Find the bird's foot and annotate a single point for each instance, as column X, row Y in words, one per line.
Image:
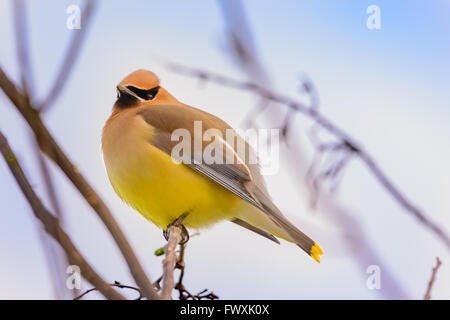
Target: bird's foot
column 178, row 223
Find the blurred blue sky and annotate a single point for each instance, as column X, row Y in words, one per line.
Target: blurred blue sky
column 387, row 87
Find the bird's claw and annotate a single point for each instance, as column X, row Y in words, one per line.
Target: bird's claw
column 179, row 223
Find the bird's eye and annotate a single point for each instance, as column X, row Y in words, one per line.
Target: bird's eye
column 145, row 94
column 118, row 94
column 151, row 94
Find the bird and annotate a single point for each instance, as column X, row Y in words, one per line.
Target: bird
column 138, row 144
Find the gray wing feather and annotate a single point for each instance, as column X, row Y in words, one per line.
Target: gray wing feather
column 250, row 227
column 224, row 174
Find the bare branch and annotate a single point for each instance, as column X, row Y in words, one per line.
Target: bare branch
column 56, row 260
column 49, row 146
column 402, row 200
column 325, row 123
column 168, row 283
column 432, row 279
column 51, row 224
column 60, row 262
column 71, row 55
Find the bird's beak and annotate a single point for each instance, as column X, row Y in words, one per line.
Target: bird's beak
column 121, row 88
column 124, row 90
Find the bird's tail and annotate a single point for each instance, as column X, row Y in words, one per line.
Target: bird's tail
column 278, row 225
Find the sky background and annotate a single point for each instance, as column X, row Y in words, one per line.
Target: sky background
column 387, row 87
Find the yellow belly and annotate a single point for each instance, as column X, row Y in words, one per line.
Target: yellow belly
column 148, row 180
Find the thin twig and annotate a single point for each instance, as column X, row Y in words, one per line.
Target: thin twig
column 49, row 146
column 328, row 125
column 51, row 224
column 23, row 54
column 71, row 55
column 432, row 279
column 183, row 293
column 115, row 284
column 181, row 266
column 170, row 261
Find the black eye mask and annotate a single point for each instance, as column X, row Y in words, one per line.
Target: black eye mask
column 145, row 94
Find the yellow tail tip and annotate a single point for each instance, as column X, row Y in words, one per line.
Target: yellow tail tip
column 316, row 252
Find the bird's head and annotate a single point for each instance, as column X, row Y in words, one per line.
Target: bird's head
column 141, row 88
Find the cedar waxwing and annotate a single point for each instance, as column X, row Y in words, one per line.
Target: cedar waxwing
column 137, row 150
